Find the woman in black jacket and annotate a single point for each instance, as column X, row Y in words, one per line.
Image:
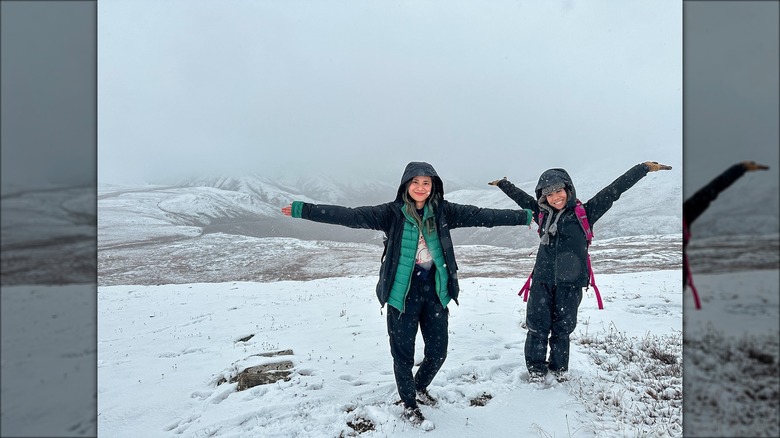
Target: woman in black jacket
column 560, row 271
column 694, row 206
column 418, row 276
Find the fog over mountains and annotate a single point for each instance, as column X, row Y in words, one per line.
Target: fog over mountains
column 48, row 235
column 250, row 206
column 193, row 225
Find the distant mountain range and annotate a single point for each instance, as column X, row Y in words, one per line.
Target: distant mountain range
column 250, row 206
column 48, row 234
column 750, row 206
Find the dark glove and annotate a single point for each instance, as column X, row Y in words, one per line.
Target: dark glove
column 653, row 166
column 495, row 183
column 752, row 165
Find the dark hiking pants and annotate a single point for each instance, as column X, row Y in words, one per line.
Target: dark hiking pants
column 423, row 308
column 551, row 315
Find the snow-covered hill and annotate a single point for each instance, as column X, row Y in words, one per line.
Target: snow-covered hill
column 222, row 229
column 58, row 223
column 48, row 235
column 749, row 206
column 250, row 206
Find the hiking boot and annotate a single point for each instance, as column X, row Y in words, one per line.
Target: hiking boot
column 560, row 376
column 535, row 377
column 413, row 415
column 424, row 397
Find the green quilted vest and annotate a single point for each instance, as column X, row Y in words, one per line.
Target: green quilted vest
column 405, row 268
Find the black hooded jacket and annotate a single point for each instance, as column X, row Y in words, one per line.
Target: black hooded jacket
column 564, row 260
column 390, row 219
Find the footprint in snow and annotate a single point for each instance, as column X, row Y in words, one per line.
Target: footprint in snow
column 488, row 357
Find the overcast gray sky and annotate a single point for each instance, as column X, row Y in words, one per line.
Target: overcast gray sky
column 48, row 94
column 732, row 94
column 478, row 89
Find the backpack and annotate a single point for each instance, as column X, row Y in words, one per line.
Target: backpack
column 582, row 218
column 687, row 267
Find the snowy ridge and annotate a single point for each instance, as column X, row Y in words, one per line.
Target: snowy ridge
column 250, row 206
column 655, row 195
column 262, row 189
column 55, row 224
column 749, row 206
column 223, row 229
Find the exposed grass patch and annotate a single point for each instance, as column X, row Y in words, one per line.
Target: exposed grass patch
column 361, row 425
column 732, row 385
column 481, row 400
column 639, row 384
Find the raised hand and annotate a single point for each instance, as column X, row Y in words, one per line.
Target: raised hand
column 653, row 166
column 287, row 211
column 495, row 183
column 752, row 165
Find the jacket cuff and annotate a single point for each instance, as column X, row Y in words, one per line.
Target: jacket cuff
column 529, row 216
column 297, row 209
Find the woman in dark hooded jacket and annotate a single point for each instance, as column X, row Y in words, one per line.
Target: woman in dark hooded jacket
column 694, row 206
column 560, row 271
column 418, row 275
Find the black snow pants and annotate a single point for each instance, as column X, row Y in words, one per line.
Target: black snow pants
column 423, row 309
column 551, row 316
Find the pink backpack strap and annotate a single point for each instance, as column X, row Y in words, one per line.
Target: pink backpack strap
column 593, row 283
column 687, row 267
column 582, row 217
column 693, row 288
column 526, row 288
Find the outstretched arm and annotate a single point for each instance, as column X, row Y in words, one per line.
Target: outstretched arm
column 603, row 200
column 374, row 217
column 462, row 215
column 694, row 206
column 522, row 198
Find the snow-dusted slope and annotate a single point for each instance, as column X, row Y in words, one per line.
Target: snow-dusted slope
column 250, row 206
column 749, row 206
column 221, row 229
column 48, row 236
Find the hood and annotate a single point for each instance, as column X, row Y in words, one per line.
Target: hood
column 555, row 176
column 420, row 168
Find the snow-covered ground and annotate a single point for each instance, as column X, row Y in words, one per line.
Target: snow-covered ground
column 49, row 352
column 732, row 372
column 162, row 351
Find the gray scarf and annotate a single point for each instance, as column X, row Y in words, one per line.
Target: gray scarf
column 549, row 228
